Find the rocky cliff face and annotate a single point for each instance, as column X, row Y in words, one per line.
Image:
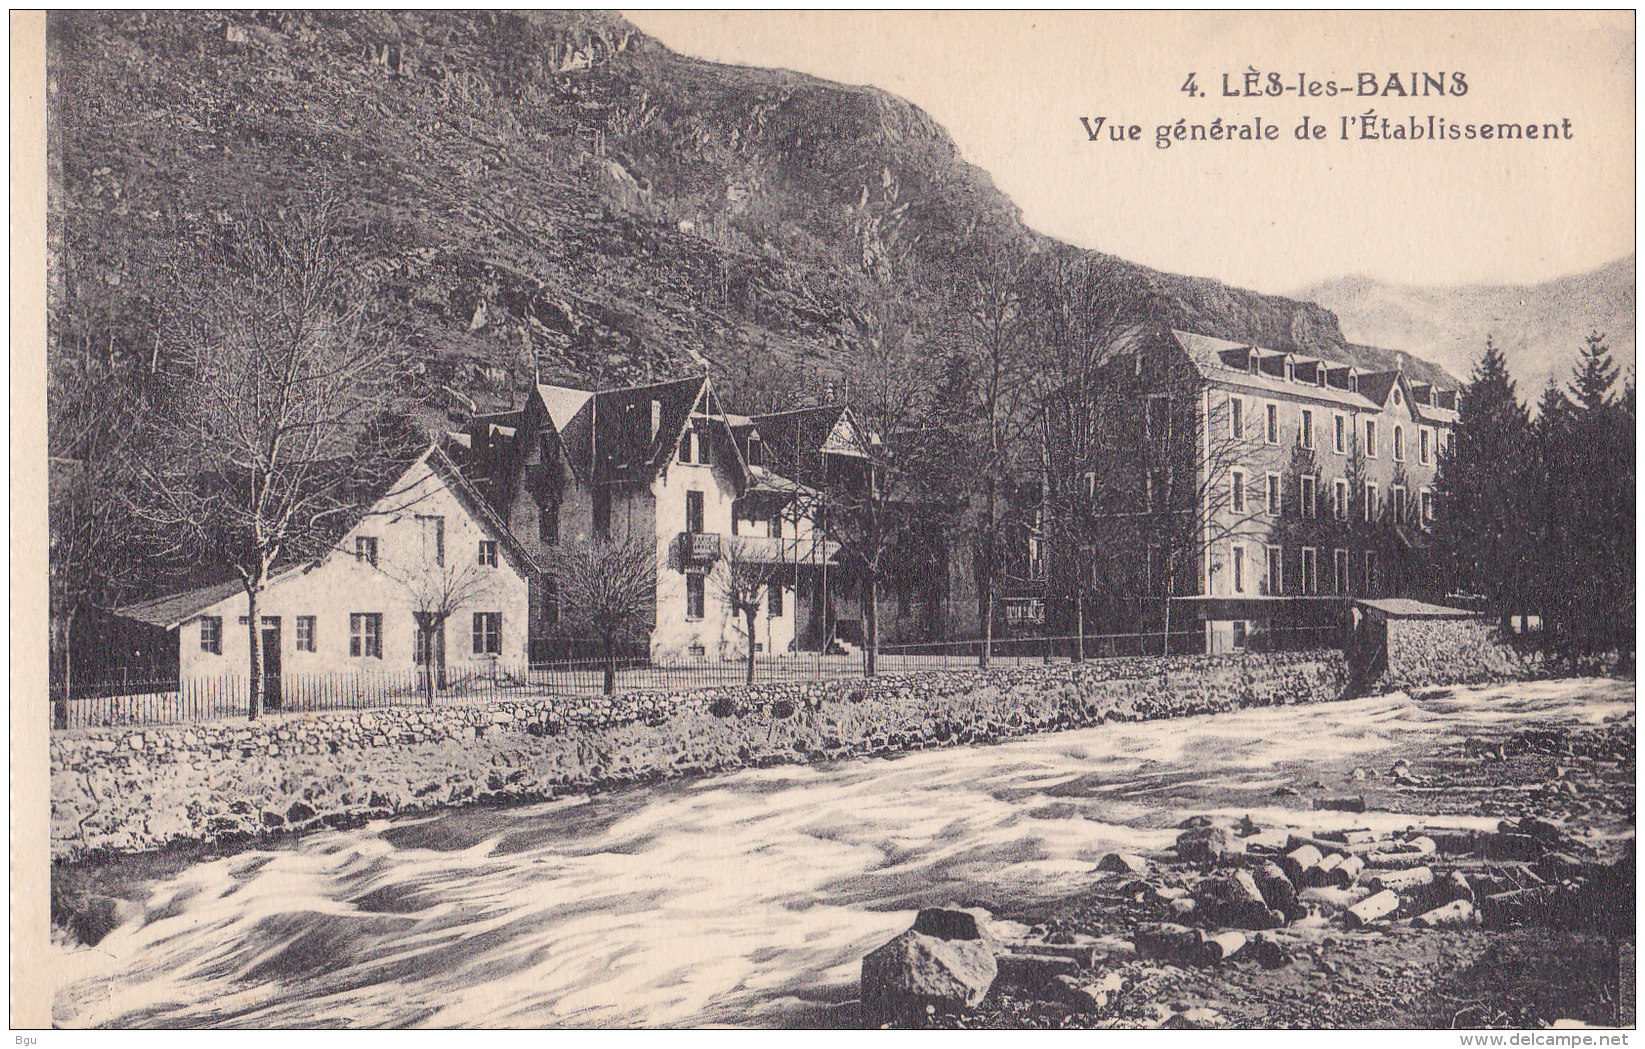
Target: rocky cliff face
column 550, row 192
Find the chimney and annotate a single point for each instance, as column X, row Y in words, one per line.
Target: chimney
column 1399, row 360
column 656, row 417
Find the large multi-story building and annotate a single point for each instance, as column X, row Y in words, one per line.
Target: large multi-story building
column 666, row 464
column 1255, row 489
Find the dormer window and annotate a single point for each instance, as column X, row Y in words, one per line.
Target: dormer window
column 1290, row 371
column 1254, row 362
column 753, row 450
column 1319, row 375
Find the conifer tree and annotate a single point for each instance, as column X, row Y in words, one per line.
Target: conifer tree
column 1488, row 531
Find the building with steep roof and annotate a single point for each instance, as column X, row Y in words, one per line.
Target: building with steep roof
column 667, row 463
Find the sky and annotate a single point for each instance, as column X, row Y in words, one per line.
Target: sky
column 1275, row 215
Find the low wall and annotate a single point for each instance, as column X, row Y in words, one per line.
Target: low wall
column 117, row 790
column 1424, row 652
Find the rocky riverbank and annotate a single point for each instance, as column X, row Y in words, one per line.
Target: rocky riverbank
column 1486, row 884
column 225, row 784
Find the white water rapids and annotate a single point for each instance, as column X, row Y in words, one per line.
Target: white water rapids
column 746, row 899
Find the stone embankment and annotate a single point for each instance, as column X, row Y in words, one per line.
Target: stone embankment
column 123, row 790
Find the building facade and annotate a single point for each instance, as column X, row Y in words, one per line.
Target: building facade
column 428, row 576
column 664, row 464
column 1253, row 490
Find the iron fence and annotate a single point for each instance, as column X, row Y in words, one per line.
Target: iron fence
column 161, row 701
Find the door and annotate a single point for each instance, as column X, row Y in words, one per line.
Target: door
column 272, row 693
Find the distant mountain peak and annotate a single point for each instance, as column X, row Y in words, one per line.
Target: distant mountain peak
column 1540, row 327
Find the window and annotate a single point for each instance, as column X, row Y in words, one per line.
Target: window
column 1253, row 364
column 1273, row 495
column 1371, row 438
column 1238, row 558
column 548, row 524
column 551, row 601
column 1276, row 569
column 774, row 599
column 1290, row 371
column 434, row 537
column 1425, row 438
column 1427, row 508
column 602, row 513
column 1307, row 493
column 774, row 528
column 1339, row 440
column 1237, row 495
column 1305, row 429
column 1399, row 503
column 365, row 634
column 305, row 633
column 1450, row 444
column 365, row 549
column 1236, row 417
column 1088, row 480
column 1239, row 635
column 1310, row 570
column 211, row 634
column 753, row 450
column 687, row 443
column 1370, row 501
column 1370, row 573
column 1272, row 434
column 694, row 595
column 694, row 511
column 488, row 633
column 1341, row 488
column 1399, row 444
column 1339, row 573
column 488, row 553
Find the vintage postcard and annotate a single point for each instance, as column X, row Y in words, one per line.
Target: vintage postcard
column 849, row 520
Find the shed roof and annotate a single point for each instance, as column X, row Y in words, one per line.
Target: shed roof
column 1410, row 608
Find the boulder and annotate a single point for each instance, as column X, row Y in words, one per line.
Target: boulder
column 1208, row 844
column 948, row 969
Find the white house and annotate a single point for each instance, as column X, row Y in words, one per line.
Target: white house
column 429, row 545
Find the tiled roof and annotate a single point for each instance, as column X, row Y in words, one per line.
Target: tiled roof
column 1377, row 385
column 173, row 609
column 1206, row 352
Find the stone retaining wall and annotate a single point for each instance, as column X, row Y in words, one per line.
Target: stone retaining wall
column 1424, row 652
column 117, row 790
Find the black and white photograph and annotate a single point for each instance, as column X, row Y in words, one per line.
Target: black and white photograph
column 868, row 520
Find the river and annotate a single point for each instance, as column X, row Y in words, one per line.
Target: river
column 745, row 899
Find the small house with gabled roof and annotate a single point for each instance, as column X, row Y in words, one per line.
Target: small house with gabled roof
column 430, row 544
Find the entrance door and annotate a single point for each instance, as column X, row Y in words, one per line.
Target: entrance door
column 273, row 695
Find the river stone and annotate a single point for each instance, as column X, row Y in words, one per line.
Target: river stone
column 904, row 976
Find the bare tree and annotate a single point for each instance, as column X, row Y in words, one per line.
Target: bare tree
column 437, row 591
column 608, row 587
column 98, row 552
column 743, row 578
column 275, row 357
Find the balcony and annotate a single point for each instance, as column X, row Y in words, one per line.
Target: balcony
column 699, row 548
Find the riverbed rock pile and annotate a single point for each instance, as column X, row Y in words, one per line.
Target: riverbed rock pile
column 1244, row 894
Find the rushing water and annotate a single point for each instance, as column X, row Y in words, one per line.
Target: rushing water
column 744, row 899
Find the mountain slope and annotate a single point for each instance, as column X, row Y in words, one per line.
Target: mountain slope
column 549, row 193
column 1539, row 327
